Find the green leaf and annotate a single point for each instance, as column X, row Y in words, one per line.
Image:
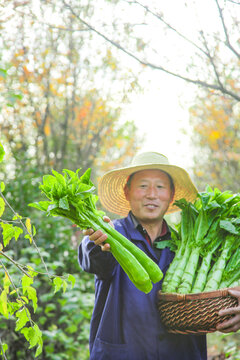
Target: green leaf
column 52, row 207
column 72, row 176
column 3, row 304
column 85, row 178
column 2, row 186
column 228, row 226
column 49, row 180
column 60, row 178
column 2, row 206
column 63, row 203
column 64, row 285
column 26, row 282
column 57, row 281
column 17, row 217
column 3, row 73
column 6, row 282
column 2, row 152
column 12, row 98
column 41, row 205
column 71, row 279
column 71, row 329
column 25, row 299
column 23, row 317
column 163, row 244
column 28, row 226
column 34, row 337
column 32, row 295
column 9, row 232
column 4, row 348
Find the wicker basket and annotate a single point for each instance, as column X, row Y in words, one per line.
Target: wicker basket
column 194, row 313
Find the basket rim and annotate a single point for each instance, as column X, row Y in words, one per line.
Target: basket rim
column 195, row 296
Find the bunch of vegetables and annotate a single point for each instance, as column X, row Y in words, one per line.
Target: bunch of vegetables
column 73, row 197
column 206, row 243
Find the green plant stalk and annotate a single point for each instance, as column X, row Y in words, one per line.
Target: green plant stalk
column 173, row 284
column 214, row 240
column 175, row 271
column 233, row 279
column 189, row 272
column 215, row 276
column 234, row 284
column 130, row 265
column 136, row 272
column 146, row 287
column 172, row 268
column 149, row 265
column 232, row 270
column 184, row 234
column 203, row 226
column 121, row 253
column 202, row 274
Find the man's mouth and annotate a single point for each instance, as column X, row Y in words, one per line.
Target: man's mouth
column 151, row 206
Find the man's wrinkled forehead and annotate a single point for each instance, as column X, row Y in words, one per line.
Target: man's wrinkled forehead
column 143, row 172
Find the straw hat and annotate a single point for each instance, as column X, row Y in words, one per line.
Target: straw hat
column 111, row 185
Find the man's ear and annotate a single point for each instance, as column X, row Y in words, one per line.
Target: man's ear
column 172, row 197
column 126, row 192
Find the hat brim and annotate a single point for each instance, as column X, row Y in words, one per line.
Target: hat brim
column 111, row 187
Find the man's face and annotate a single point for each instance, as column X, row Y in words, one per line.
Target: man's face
column 149, row 195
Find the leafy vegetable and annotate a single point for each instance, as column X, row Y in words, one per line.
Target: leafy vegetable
column 206, row 244
column 74, row 198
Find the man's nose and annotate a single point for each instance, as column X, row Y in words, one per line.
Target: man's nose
column 152, row 192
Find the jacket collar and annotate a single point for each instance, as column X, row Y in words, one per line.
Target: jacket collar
column 140, row 229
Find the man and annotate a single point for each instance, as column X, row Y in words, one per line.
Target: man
column 126, row 324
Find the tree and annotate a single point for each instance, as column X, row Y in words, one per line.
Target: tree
column 197, row 48
column 62, row 120
column 53, row 117
column 216, row 136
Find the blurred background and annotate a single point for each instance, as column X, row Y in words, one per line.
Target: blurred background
column 88, row 83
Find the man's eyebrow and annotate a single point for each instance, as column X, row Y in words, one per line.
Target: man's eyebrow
column 146, row 179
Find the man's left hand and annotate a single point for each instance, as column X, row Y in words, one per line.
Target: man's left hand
column 233, row 324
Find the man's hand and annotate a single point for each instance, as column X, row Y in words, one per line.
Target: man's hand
column 233, row 324
column 99, row 237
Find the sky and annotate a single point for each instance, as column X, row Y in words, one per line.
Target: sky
column 161, row 115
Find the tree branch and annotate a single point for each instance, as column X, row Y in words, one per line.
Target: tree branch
column 228, row 44
column 211, row 60
column 169, row 26
column 153, row 66
column 15, row 263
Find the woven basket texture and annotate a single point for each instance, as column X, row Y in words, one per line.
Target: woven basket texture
column 194, row 313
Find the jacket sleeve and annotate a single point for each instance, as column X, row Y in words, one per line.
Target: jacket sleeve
column 93, row 260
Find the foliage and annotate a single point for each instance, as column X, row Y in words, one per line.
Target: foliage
column 223, row 346
column 15, row 298
column 50, row 117
column 32, row 307
column 65, row 116
column 216, row 134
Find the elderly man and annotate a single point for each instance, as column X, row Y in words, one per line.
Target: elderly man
column 126, row 324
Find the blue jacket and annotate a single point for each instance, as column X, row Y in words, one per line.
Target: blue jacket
column 126, row 324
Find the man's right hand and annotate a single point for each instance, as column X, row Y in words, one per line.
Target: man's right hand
column 99, row 237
